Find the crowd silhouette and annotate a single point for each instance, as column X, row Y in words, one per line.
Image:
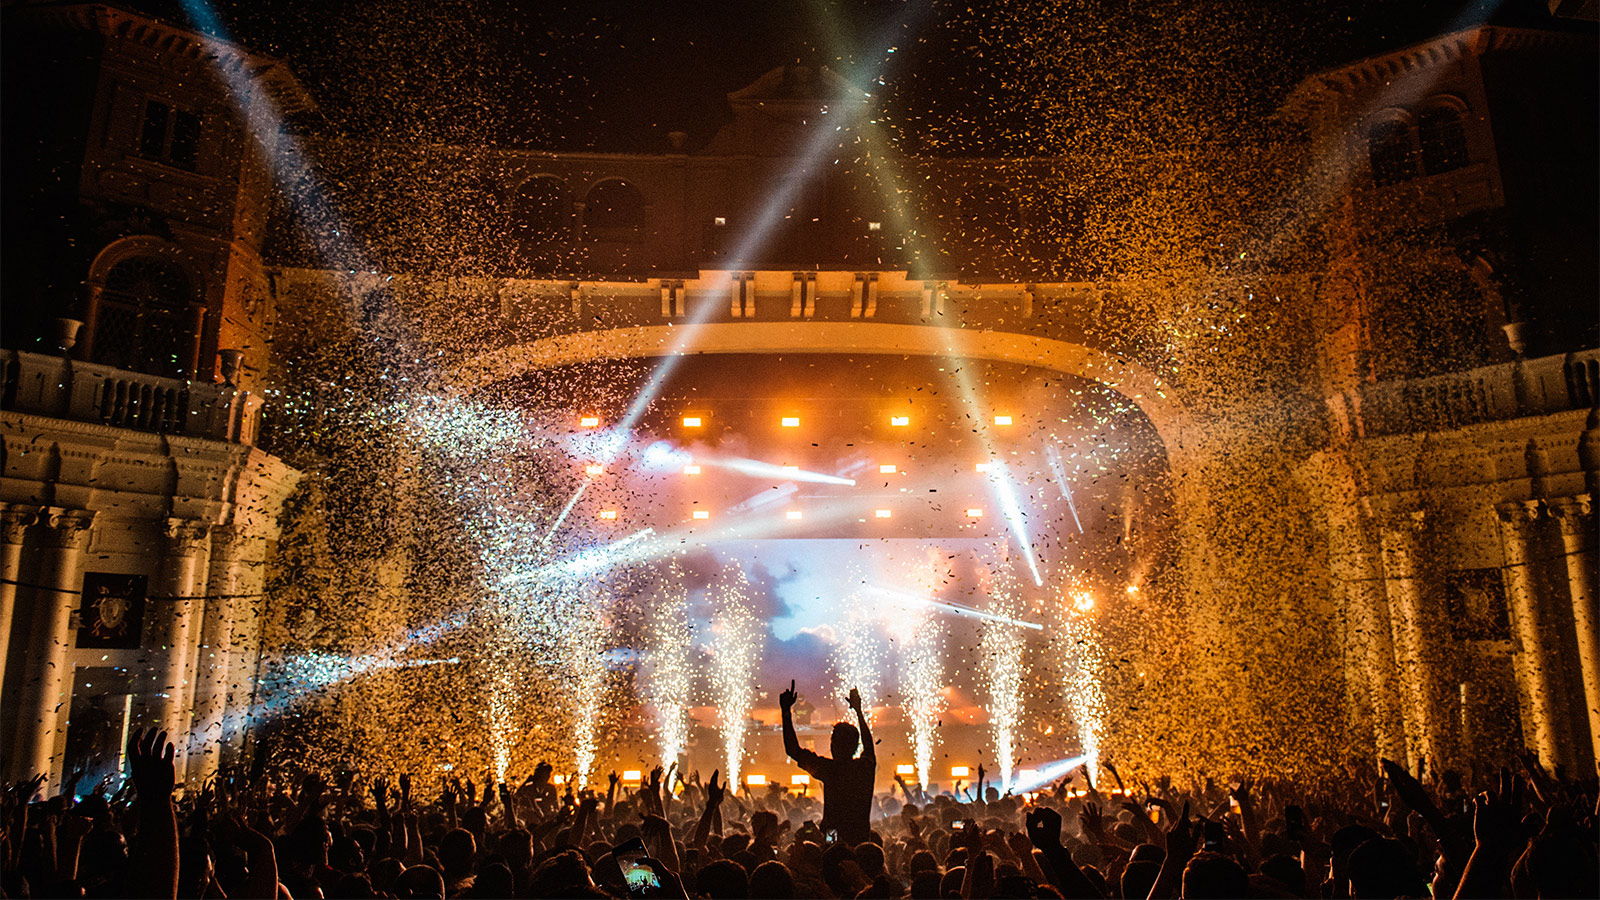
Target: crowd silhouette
column 1381, row 833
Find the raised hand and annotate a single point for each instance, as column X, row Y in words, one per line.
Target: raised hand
column 1044, row 828
column 714, row 791
column 1497, row 815
column 380, row 792
column 854, row 699
column 405, row 791
column 150, row 764
column 786, row 700
column 1091, row 820
column 1183, row 837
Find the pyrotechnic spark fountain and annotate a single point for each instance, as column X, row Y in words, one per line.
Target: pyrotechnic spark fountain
column 668, row 684
column 733, row 664
column 856, row 657
column 1080, row 664
column 922, row 686
column 586, row 652
column 1002, row 657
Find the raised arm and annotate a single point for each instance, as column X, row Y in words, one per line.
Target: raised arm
column 153, row 852
column 791, row 741
column 867, row 751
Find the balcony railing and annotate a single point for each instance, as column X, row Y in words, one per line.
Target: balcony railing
column 86, row 392
column 1531, row 387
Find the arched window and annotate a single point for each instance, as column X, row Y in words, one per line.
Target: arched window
column 541, row 213
column 1443, row 139
column 1390, row 151
column 613, row 206
column 144, row 321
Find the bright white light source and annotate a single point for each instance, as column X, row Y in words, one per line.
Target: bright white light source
column 608, row 514
column 792, row 515
column 960, row 771
column 594, row 470
column 899, row 421
column 691, row 470
column 874, row 226
column 1133, row 589
column 790, row 470
column 882, row 513
column 590, row 421
column 558, row 779
column 632, row 775
column 791, row 421
column 981, row 467
column 691, row 421
column 1002, row 420
column 1082, row 601
column 702, row 514
column 905, row 769
column 974, row 513
column 887, row 469
column 799, row 780
column 755, row 780
column 720, row 220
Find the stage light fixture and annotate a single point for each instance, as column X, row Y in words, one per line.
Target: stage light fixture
column 874, row 226
column 608, row 514
column 701, row 514
column 691, row 470
column 755, row 780
column 720, row 221
column 633, row 775
column 691, row 421
column 881, row 513
column 960, row 771
column 792, row 515
column 799, row 780
column 1002, row 420
column 905, row 769
column 593, row 470
column 974, row 513
column 899, row 421
column 791, row 421
column 887, row 469
column 590, row 421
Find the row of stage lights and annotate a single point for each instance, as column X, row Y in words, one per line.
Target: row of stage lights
column 789, row 421
column 594, row 470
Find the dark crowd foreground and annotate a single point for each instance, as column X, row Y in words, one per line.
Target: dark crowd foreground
column 1530, row 833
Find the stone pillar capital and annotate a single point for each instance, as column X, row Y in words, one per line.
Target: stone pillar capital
column 1571, row 511
column 1518, row 512
column 185, row 537
column 68, row 529
column 14, row 522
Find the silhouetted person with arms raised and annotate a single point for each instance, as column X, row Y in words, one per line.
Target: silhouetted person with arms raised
column 847, row 779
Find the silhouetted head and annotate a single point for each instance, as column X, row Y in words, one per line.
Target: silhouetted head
column 846, row 740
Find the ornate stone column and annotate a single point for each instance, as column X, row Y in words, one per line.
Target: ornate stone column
column 48, row 684
column 183, row 580
column 14, row 522
column 1371, row 639
column 1576, row 517
column 1414, row 632
column 215, row 649
column 1534, row 647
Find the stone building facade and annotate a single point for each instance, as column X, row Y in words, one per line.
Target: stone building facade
column 1452, row 483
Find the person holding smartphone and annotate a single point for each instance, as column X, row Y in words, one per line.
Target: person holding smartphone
column 847, row 779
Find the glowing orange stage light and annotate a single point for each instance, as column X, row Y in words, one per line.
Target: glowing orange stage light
column 881, row 513
column 899, row 421
column 701, row 514
column 887, row 469
column 691, row 470
column 691, row 421
column 799, row 780
column 594, row 470
column 791, row 421
column 632, row 775
column 960, row 771
column 1002, row 420
column 608, row 514
column 974, row 513
column 590, row 421
column 905, row 769
column 755, row 780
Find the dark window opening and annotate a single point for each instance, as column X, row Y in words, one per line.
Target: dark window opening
column 170, row 135
column 1444, row 140
column 143, row 322
column 614, row 206
column 1389, row 149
